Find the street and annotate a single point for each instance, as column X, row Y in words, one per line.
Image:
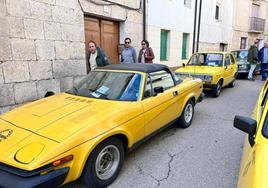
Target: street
column 207, row 154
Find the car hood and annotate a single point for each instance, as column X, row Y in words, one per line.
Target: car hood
column 20, row 147
column 60, row 116
column 199, row 69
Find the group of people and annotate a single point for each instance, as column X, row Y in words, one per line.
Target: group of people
column 97, row 57
column 255, row 56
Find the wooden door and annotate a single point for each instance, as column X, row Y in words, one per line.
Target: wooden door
column 110, row 40
column 92, row 32
column 105, row 34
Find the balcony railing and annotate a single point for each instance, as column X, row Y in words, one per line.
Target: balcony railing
column 257, row 24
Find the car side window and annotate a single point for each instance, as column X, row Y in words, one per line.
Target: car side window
column 232, row 59
column 162, row 79
column 148, row 88
column 227, row 61
column 265, row 126
column 264, row 100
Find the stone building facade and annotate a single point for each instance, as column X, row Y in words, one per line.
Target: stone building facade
column 42, row 43
column 250, row 22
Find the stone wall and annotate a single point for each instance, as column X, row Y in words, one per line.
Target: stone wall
column 43, row 44
column 42, row 49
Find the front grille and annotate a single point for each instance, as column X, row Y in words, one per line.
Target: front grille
column 201, row 76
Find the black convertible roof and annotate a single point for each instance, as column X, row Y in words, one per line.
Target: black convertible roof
column 141, row 67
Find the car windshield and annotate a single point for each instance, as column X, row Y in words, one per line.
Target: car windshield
column 121, row 86
column 206, row 59
column 240, row 55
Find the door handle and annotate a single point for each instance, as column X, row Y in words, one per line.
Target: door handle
column 175, row 93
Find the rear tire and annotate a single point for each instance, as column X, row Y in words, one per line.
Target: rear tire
column 104, row 164
column 186, row 118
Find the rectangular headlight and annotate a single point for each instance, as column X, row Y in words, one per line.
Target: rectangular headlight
column 208, row 77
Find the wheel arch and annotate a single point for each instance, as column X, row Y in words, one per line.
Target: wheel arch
column 221, row 80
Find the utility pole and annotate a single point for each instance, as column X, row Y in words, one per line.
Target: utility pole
column 198, row 27
column 144, row 19
column 195, row 13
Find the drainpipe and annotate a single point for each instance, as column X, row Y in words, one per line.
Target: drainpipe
column 198, row 27
column 195, row 12
column 144, row 20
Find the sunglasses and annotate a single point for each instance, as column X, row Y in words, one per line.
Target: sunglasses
column 127, row 42
column 142, row 43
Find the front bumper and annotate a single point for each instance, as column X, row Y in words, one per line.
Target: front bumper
column 51, row 179
column 209, row 86
column 242, row 71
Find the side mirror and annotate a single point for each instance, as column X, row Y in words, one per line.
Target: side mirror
column 183, row 64
column 246, row 125
column 158, row 90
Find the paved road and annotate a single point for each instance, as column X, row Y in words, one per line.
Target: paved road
column 206, row 155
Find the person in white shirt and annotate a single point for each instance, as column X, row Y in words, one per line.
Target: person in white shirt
column 96, row 56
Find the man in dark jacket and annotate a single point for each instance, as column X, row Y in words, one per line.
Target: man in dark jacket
column 263, row 57
column 96, row 56
column 253, row 59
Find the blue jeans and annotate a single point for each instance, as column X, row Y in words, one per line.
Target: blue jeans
column 264, row 70
column 251, row 71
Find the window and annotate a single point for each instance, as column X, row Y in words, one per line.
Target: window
column 187, row 3
column 148, row 88
column 232, row 59
column 223, row 47
column 206, row 59
column 255, row 10
column 163, row 45
column 158, row 79
column 121, row 86
column 162, row 78
column 184, row 46
column 217, row 12
column 243, row 43
column 227, row 61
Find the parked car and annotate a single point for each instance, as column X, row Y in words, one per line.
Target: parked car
column 243, row 64
column 216, row 69
column 86, row 132
column 254, row 162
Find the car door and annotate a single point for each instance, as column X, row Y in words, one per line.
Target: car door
column 227, row 75
column 248, row 163
column 234, row 66
column 162, row 108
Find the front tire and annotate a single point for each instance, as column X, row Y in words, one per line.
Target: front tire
column 104, row 164
column 217, row 90
column 186, row 118
column 232, row 84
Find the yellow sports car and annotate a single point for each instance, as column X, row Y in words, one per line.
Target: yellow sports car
column 254, row 162
column 216, row 69
column 86, row 132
